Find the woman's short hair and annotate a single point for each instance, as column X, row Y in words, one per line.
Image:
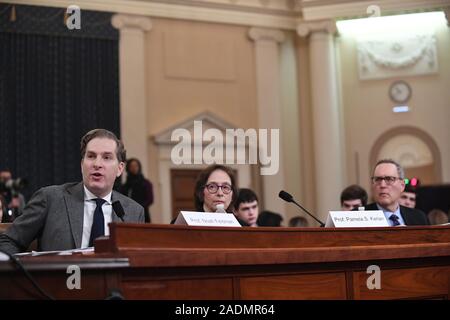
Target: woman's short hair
column 203, row 178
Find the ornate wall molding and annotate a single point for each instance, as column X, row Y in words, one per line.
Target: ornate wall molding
column 397, row 55
column 121, row 21
column 305, row 28
column 258, row 34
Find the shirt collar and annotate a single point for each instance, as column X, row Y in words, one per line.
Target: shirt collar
column 396, row 212
column 90, row 196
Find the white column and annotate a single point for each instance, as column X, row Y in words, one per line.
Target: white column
column 268, row 88
column 133, row 88
column 326, row 116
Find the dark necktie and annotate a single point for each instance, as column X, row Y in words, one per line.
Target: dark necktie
column 394, row 220
column 98, row 224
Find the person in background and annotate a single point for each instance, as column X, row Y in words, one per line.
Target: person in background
column 387, row 185
column 2, row 208
column 353, row 197
column 246, row 207
column 15, row 201
column 298, row 222
column 137, row 187
column 216, row 185
column 73, row 215
column 408, row 197
column 437, row 216
column 269, row 219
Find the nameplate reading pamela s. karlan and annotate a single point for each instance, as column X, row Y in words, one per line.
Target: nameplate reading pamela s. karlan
column 207, row 219
column 349, row 219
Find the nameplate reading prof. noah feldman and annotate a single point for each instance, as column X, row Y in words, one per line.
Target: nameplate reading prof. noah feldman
column 207, row 219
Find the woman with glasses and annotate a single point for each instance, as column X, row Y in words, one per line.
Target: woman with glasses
column 215, row 187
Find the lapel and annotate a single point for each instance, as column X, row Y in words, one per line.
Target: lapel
column 405, row 215
column 74, row 198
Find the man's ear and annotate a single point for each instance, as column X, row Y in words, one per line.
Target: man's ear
column 403, row 185
column 121, row 168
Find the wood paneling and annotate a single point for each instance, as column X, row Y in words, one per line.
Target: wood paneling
column 405, row 283
column 188, row 289
column 294, row 287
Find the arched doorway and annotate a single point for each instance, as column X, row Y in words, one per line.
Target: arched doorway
column 414, row 149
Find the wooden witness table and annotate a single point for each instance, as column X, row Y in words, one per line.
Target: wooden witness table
column 180, row 262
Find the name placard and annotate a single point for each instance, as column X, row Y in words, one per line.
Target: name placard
column 207, row 219
column 349, row 219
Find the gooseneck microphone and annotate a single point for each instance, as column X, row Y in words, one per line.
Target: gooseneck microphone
column 289, row 198
column 118, row 209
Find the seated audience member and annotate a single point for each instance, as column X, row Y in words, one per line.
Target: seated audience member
column 269, row 219
column 246, row 207
column 298, row 222
column 72, row 215
column 216, row 185
column 437, row 216
column 353, row 197
column 387, row 185
column 408, row 197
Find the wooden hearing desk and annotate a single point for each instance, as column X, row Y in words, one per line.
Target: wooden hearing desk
column 179, row 262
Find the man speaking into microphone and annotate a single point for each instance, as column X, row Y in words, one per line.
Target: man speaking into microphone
column 73, row 215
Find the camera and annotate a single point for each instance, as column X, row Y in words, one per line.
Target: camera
column 13, row 185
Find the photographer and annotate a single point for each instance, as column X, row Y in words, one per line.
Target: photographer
column 2, row 208
column 9, row 189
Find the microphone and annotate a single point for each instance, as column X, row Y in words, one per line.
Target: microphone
column 289, row 198
column 118, row 209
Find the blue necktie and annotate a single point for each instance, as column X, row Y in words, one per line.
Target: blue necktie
column 98, row 224
column 394, row 220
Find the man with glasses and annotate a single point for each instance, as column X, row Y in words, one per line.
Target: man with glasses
column 387, row 185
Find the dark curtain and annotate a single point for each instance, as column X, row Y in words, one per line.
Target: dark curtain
column 55, row 85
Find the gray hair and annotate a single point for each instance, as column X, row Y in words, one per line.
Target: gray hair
column 400, row 171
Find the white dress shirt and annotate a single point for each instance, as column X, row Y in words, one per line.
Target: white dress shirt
column 388, row 213
column 89, row 208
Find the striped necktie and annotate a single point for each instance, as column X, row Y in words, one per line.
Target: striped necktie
column 394, row 220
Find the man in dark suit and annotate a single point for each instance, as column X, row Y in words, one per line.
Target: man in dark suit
column 387, row 185
column 72, row 215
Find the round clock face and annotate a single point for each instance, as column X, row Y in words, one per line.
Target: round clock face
column 400, row 91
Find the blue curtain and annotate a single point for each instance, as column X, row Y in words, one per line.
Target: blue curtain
column 55, row 85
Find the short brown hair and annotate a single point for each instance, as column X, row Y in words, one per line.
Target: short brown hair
column 354, row 192
column 203, row 178
column 121, row 153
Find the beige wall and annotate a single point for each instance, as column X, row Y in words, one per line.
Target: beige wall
column 194, row 67
column 368, row 110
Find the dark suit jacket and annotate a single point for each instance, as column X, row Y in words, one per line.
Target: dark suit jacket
column 55, row 215
column 410, row 216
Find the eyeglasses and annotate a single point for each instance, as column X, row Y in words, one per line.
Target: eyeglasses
column 214, row 187
column 388, row 179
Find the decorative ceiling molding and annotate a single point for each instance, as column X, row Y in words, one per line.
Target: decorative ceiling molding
column 326, row 9
column 305, row 28
column 258, row 34
column 120, row 21
column 277, row 14
column 206, row 11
